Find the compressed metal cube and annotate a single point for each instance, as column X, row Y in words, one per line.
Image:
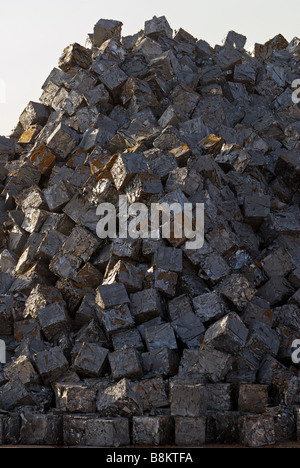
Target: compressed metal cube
column 110, row 295
column 165, row 281
column 75, row 55
column 62, row 141
column 168, row 258
column 257, row 431
column 157, row 430
column 188, row 328
column 57, row 196
column 127, row 339
column 34, row 113
column 77, row 250
column 164, row 361
column 278, row 263
column 158, row 27
column 152, row 393
column 161, row 336
column 237, row 290
column 143, row 187
column 190, row 431
column 14, row 394
column 228, row 334
column 53, row 320
column 91, row 360
column 106, row 29
column 209, row 307
column 93, row 431
column 34, row 219
column 21, row 369
column 116, row 319
column 26, row 328
column 180, row 306
column 120, row 399
column 145, row 305
column 41, row 429
column 51, row 364
column 128, row 274
column 125, row 363
column 276, row 290
column 188, row 399
column 126, row 167
column 253, row 398
column 258, row 310
column 214, row 268
column 256, row 209
column 75, row 398
column 51, row 244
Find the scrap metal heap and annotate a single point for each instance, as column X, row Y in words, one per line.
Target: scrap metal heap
column 139, row 341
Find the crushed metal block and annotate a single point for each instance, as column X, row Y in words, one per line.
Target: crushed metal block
column 125, row 363
column 153, row 431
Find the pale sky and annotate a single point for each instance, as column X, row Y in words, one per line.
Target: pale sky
column 33, row 33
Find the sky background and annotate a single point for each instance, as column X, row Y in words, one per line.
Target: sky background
column 33, row 33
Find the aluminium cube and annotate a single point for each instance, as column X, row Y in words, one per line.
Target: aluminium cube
column 237, row 290
column 63, row 141
column 34, row 113
column 228, row 334
column 53, row 320
column 145, row 305
column 120, row 399
column 21, row 369
column 91, row 360
column 93, row 431
column 209, row 307
column 161, row 336
column 188, row 328
column 223, row 427
column 14, row 394
column 75, row 55
column 214, row 268
column 125, row 363
column 116, row 319
column 165, row 281
column 163, row 361
column 110, row 295
column 106, row 29
column 188, row 399
column 256, row 209
column 252, row 398
column 43, row 159
column 152, row 393
column 57, row 196
column 75, row 398
column 51, row 364
column 179, row 306
column 77, row 249
column 41, row 429
column 50, row 245
column 153, row 431
column 126, row 167
column 127, row 339
column 158, row 27
column 190, row 431
column 257, row 430
column 276, row 290
column 168, row 258
column 278, row 263
column 128, row 274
